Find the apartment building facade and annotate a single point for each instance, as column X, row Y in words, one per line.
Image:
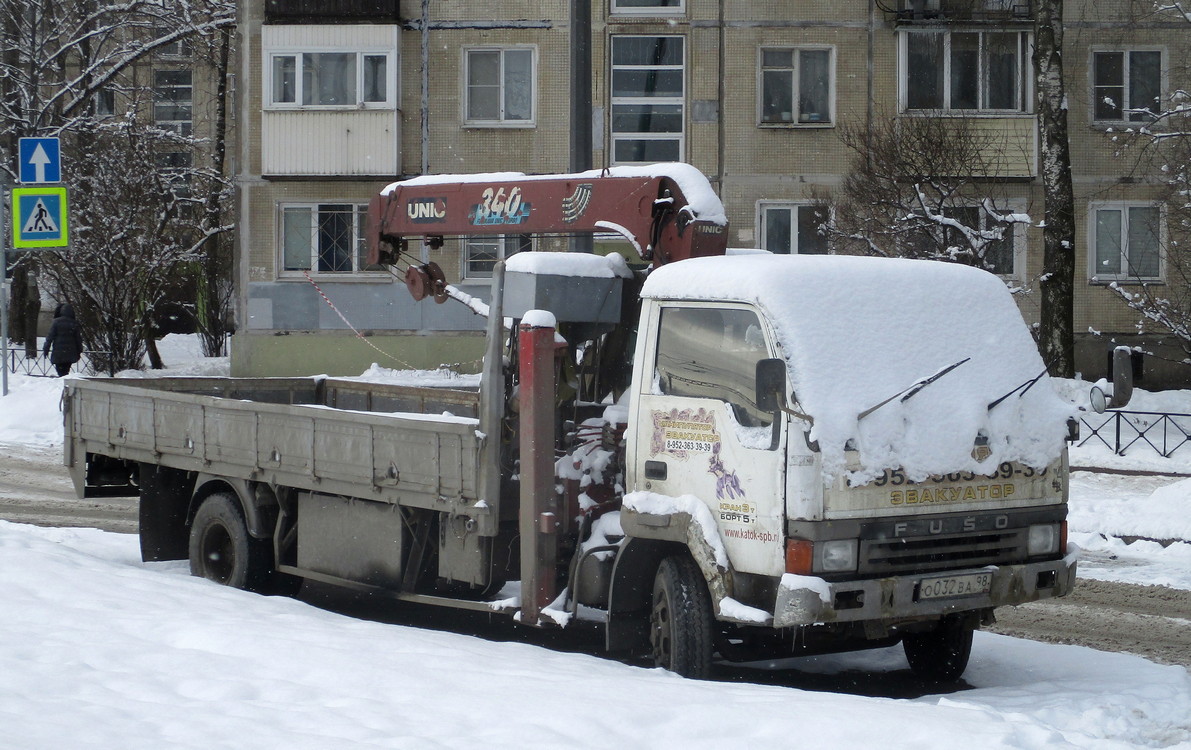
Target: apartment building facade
column 336, row 101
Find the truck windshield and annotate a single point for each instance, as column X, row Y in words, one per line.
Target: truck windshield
column 713, row 353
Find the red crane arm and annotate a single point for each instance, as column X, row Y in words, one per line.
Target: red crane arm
column 652, row 212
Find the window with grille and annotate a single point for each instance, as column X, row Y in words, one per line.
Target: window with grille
column 324, row 238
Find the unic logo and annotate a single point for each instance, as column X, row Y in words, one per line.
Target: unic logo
column 426, row 210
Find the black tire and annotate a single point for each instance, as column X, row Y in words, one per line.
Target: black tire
column 222, row 550
column 941, row 655
column 680, row 620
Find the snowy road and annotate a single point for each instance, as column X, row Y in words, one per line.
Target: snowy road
column 102, row 651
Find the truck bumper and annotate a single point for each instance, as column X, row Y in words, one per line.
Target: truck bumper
column 802, row 601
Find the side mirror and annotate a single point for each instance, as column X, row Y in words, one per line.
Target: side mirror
column 771, row 384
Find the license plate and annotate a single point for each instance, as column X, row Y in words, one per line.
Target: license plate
column 945, row 587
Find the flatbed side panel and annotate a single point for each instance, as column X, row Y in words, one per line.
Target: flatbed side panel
column 417, row 461
column 341, row 450
column 285, row 442
column 230, row 436
column 131, row 421
column 178, row 428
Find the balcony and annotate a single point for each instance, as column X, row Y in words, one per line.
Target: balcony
column 331, row 11
column 963, row 11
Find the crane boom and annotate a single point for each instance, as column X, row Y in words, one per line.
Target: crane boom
column 650, row 210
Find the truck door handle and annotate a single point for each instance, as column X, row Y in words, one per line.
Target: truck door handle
column 655, row 469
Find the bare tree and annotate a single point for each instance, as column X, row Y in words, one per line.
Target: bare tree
column 1056, row 333
column 56, row 59
column 142, row 228
column 923, row 187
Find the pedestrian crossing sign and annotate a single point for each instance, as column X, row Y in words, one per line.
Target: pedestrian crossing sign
column 39, row 217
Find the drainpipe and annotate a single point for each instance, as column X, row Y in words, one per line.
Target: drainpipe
column 425, row 86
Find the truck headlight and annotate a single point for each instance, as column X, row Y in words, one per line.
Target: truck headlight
column 1044, row 539
column 836, row 555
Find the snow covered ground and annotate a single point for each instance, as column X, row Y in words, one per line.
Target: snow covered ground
column 99, row 650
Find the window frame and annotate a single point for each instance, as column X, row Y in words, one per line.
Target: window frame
column 615, row 136
column 665, row 342
column 1125, row 52
column 522, row 243
column 1123, row 207
column 183, row 126
column 1024, row 82
column 765, row 206
column 796, row 70
column 316, row 208
column 616, row 9
column 502, row 121
column 298, row 55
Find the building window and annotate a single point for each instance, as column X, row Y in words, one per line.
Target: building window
column 176, row 168
column 648, row 98
column 794, row 229
column 965, row 71
column 1126, row 86
column 329, row 79
column 1126, row 239
column 796, row 86
column 481, row 253
column 324, row 238
column 998, row 254
column 500, row 86
column 105, row 102
column 172, row 104
column 648, row 7
column 178, row 48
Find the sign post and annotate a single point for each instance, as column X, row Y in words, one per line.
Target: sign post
column 38, row 215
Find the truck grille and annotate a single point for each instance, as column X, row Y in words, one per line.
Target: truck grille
column 942, row 552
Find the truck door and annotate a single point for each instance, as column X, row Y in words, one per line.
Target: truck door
column 698, row 430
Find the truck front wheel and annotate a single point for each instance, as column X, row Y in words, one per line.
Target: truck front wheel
column 941, row 655
column 680, row 621
column 222, row 550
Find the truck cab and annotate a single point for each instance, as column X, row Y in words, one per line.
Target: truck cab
column 849, row 454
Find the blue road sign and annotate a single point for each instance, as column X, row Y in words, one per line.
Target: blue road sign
column 39, row 217
column 41, row 160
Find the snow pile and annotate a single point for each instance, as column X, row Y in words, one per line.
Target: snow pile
column 857, row 332
column 440, row 378
column 582, row 265
column 100, row 650
column 651, row 502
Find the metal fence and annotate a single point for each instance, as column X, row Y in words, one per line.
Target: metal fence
column 15, row 360
column 1122, row 430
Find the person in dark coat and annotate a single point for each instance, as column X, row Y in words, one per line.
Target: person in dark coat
column 65, row 339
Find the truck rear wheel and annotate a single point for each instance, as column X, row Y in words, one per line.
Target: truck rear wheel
column 680, row 621
column 941, row 655
column 222, row 550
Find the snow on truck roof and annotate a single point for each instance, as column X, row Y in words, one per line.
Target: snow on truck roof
column 856, row 331
column 694, row 185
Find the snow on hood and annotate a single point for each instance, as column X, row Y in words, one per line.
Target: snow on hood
column 856, row 331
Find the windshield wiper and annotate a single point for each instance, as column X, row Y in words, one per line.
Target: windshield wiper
column 1023, row 388
column 912, row 391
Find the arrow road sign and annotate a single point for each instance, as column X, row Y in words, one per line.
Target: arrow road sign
column 39, row 217
column 41, row 160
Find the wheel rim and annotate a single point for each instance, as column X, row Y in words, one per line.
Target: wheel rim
column 218, row 555
column 660, row 630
